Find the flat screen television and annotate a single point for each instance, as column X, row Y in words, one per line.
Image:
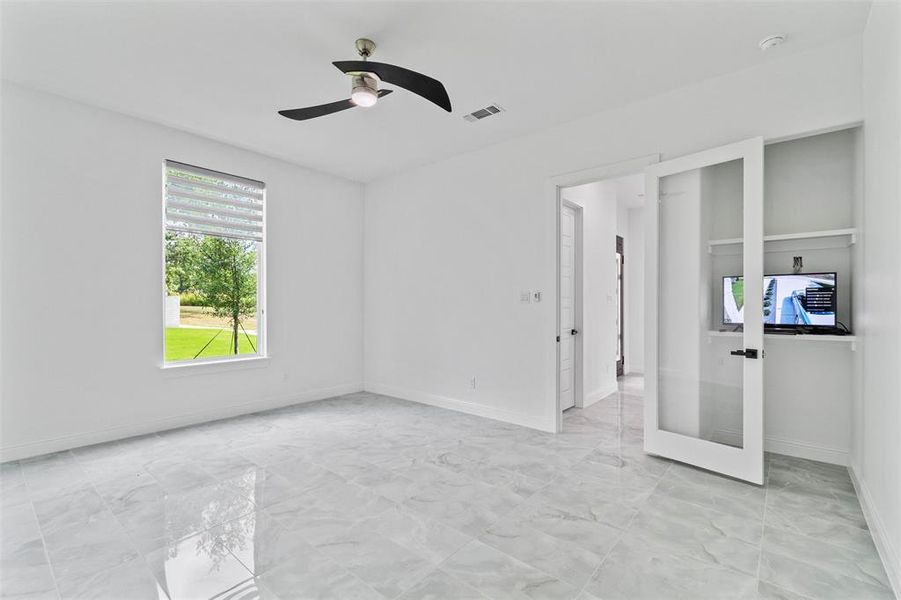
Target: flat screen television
column 798, row 300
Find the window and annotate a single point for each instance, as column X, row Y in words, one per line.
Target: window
column 214, row 276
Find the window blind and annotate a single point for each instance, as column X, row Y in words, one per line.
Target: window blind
column 210, row 203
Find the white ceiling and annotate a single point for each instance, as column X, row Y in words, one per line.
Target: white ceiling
column 630, row 190
column 222, row 70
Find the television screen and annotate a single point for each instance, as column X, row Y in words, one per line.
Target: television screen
column 801, row 300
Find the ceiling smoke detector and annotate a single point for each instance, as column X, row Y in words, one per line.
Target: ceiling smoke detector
column 771, row 41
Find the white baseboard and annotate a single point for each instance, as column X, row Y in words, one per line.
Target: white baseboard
column 599, row 394
column 472, row 408
column 99, row 436
column 800, row 449
column 796, row 448
column 730, row 437
column 891, row 559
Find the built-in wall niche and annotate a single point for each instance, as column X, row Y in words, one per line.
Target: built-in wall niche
column 811, row 187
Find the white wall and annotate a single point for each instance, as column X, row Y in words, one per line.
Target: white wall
column 449, row 245
column 81, row 212
column 876, row 460
column 598, row 327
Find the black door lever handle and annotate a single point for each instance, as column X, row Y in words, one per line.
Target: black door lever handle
column 573, row 331
column 747, row 353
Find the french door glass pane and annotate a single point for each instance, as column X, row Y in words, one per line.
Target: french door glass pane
column 700, row 291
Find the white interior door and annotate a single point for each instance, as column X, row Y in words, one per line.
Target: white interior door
column 567, row 306
column 704, row 393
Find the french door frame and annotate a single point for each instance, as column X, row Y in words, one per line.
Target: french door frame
column 746, row 462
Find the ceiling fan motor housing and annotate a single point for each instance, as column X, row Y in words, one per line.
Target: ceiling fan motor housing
column 365, row 80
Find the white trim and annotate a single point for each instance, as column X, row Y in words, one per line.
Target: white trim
column 598, row 395
column 850, row 232
column 731, row 437
column 214, row 365
column 787, row 447
column 891, row 559
column 801, row 337
column 747, row 462
column 110, row 434
column 552, row 191
column 812, row 132
column 808, row 450
column 471, row 408
column 630, row 166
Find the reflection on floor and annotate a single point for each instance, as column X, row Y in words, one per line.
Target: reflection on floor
column 365, row 496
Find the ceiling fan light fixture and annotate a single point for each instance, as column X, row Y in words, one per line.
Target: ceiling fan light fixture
column 365, row 91
column 364, row 97
column 365, row 79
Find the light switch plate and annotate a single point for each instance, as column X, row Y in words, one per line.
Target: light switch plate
column 537, row 296
column 525, row 297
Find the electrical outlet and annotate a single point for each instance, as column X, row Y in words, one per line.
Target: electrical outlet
column 525, row 297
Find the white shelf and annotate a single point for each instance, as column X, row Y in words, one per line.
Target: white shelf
column 831, row 238
column 851, row 339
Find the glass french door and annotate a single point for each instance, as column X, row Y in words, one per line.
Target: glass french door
column 705, row 310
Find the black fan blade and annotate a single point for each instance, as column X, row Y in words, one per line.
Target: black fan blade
column 423, row 85
column 311, row 112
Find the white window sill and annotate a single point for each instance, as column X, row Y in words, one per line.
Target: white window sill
column 203, row 367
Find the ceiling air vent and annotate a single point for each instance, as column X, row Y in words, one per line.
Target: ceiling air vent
column 482, row 113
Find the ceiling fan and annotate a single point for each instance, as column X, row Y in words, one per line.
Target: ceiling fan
column 365, row 77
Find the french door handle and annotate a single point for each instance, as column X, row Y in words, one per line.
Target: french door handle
column 747, row 352
column 573, row 331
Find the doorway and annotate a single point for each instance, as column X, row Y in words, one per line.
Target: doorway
column 595, row 308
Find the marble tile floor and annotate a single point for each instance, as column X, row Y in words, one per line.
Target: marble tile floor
column 366, row 496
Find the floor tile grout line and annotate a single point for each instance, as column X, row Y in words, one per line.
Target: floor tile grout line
column 341, row 566
column 165, row 543
column 766, row 495
column 130, row 540
column 830, row 544
column 437, row 567
column 478, row 539
column 620, row 537
column 509, row 556
column 46, row 552
column 805, row 536
column 257, row 508
column 713, row 508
